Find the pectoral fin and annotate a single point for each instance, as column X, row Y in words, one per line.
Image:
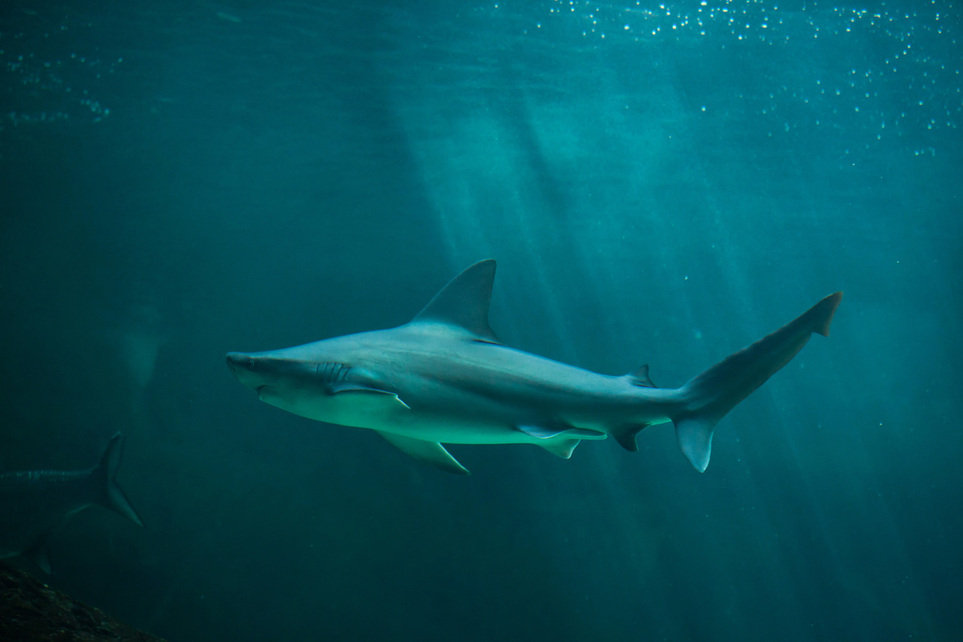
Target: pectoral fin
column 353, row 388
column 430, row 452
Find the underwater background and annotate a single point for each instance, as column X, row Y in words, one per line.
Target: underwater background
column 660, row 183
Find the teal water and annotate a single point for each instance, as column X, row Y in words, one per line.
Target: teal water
column 660, row 183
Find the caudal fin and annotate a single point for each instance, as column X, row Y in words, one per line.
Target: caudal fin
column 710, row 395
column 113, row 496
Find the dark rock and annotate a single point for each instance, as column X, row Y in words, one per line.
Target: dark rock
column 32, row 611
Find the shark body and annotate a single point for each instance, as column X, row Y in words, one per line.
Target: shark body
column 35, row 503
column 445, row 377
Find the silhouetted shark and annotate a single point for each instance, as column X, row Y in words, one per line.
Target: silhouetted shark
column 33, row 504
column 446, row 378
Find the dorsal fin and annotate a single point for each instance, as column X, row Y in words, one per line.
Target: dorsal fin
column 464, row 301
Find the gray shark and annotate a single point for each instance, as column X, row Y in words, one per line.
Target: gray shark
column 33, row 504
column 445, row 377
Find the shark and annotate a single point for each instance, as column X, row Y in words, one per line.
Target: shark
column 35, row 503
column 446, row 378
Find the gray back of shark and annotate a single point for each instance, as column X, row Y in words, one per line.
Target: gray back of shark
column 445, row 377
column 34, row 504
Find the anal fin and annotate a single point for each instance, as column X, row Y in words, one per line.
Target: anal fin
column 430, row 452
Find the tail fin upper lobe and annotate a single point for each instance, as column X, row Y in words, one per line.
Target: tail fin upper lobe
column 106, row 470
column 713, row 393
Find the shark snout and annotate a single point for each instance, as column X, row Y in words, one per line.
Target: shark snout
column 259, row 370
column 237, row 360
column 244, row 367
column 272, row 373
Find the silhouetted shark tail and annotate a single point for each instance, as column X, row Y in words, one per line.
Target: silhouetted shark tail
column 709, row 396
column 105, row 475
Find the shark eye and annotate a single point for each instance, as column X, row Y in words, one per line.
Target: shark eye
column 250, row 363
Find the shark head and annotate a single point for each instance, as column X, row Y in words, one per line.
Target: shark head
column 281, row 380
column 315, row 381
column 348, row 380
